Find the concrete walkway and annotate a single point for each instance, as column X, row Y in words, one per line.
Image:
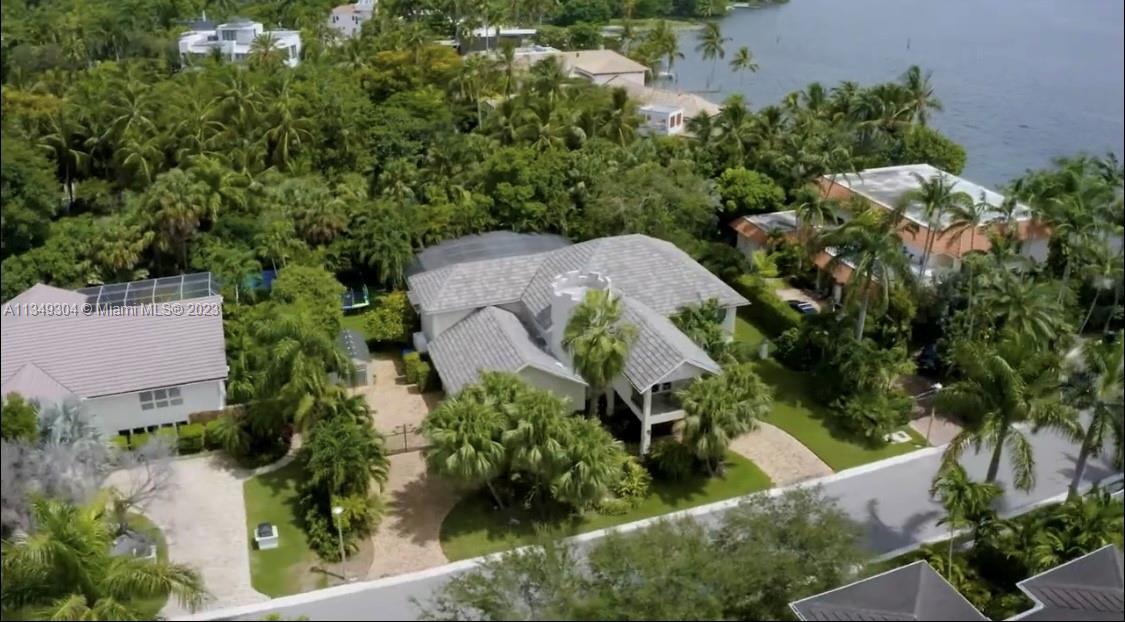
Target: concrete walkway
column 408, row 538
column 780, row 456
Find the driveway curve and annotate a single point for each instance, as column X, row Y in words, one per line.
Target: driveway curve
column 779, row 455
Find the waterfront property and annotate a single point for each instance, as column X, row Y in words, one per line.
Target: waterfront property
column 886, row 188
column 235, row 40
column 500, row 302
column 133, row 356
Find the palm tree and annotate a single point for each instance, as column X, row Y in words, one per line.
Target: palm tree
column 539, row 440
column 743, row 61
column 619, row 120
column 287, row 129
column 1096, row 387
column 967, row 219
column 593, row 464
column 663, row 40
column 813, row 212
column 465, row 437
column 966, row 502
column 1102, row 271
column 300, row 353
column 384, row 244
column 870, row 244
column 935, row 196
column 62, row 140
column 1025, row 310
column 598, row 341
column 1066, row 531
column 265, row 51
column 1001, row 386
column 711, row 41
column 922, row 98
column 720, row 408
column 174, row 205
column 64, row 569
column 1071, row 216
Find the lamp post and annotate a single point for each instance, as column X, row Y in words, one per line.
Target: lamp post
column 929, row 426
column 336, row 512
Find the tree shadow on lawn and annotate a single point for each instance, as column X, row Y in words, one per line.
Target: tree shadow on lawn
column 420, row 505
column 794, row 389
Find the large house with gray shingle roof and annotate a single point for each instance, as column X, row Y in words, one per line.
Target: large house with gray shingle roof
column 507, row 312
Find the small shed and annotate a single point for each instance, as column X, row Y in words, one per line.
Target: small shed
column 354, row 346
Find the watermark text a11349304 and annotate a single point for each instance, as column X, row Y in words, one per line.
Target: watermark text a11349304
column 158, row 309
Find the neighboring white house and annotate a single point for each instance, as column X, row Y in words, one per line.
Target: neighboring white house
column 494, row 37
column 663, row 120
column 501, row 301
column 234, row 40
column 348, row 19
column 136, row 356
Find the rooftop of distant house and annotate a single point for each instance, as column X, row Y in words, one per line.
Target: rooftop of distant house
column 888, row 185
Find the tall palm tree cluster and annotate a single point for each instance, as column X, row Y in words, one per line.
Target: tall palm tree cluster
column 522, row 443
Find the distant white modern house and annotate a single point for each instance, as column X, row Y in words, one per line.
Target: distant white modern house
column 136, row 356
column 234, row 40
column 490, row 37
column 348, row 19
column 501, row 302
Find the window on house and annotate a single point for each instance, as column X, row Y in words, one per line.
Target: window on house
column 229, row 35
column 123, row 432
column 663, row 387
column 161, row 398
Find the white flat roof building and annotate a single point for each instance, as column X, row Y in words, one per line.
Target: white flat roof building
column 662, row 119
column 348, row 19
column 234, row 40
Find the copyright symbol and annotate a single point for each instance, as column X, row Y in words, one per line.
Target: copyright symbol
column 87, row 309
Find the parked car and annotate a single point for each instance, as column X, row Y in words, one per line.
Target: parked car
column 802, row 307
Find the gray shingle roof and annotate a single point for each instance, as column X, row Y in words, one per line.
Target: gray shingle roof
column 660, row 347
column 1087, row 588
column 911, row 592
column 92, row 355
column 490, row 339
column 652, row 271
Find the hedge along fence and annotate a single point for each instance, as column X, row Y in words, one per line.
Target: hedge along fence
column 767, row 310
column 420, row 372
column 207, row 416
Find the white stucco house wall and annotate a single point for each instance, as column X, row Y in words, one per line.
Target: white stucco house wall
column 147, row 356
column 662, row 120
column 501, row 302
column 234, row 40
column 348, row 19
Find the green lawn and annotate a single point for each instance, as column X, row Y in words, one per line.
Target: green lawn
column 745, row 331
column 796, row 412
column 354, row 321
column 272, row 498
column 474, row 528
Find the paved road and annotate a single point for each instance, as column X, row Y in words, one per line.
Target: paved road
column 891, row 500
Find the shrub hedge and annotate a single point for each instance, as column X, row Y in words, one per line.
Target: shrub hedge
column 767, row 310
column 191, row 438
column 139, row 440
column 419, row 372
column 121, row 441
column 211, row 438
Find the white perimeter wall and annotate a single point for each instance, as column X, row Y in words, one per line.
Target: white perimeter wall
column 123, row 411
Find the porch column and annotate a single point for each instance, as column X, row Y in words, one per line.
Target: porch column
column 728, row 322
column 610, row 400
column 646, row 427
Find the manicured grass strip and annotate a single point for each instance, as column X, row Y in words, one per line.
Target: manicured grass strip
column 474, row 527
column 796, row 412
column 272, row 498
column 744, row 330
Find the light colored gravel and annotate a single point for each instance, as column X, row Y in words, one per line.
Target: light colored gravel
column 408, row 537
column 395, row 403
column 203, row 517
column 780, row 456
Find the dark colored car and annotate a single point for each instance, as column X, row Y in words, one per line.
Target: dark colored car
column 802, row 307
